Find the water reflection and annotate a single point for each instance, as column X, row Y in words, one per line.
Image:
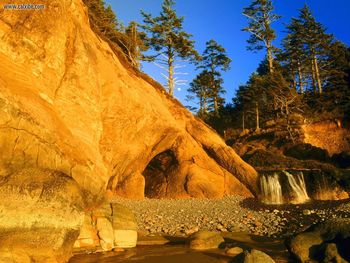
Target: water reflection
column 155, row 254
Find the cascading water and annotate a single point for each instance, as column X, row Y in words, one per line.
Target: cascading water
column 273, row 193
column 298, row 187
column 271, row 189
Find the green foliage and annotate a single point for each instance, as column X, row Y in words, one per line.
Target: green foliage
column 209, row 82
column 168, row 39
column 317, row 66
column 104, row 22
column 261, row 16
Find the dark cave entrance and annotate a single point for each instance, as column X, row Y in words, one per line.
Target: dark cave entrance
column 157, row 174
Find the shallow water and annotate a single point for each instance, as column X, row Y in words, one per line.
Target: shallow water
column 180, row 253
column 154, row 254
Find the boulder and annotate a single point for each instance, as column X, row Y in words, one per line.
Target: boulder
column 203, row 240
column 331, row 254
column 105, row 233
column 313, row 244
column 234, row 251
column 305, row 246
column 124, row 227
column 41, row 212
column 104, row 210
column 257, row 256
column 88, row 237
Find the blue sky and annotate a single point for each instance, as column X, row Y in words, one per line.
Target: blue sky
column 222, row 20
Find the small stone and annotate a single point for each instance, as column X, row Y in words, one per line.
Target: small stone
column 234, row 251
column 256, row 256
column 118, row 249
column 206, row 240
column 306, row 212
column 191, row 230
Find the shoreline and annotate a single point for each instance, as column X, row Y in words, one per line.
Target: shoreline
column 182, row 217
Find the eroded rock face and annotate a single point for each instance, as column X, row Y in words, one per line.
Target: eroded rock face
column 68, row 103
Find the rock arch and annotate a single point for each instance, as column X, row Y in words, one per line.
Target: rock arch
column 158, row 173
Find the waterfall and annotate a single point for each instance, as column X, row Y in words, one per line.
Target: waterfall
column 298, row 187
column 272, row 192
column 323, row 189
column 271, row 189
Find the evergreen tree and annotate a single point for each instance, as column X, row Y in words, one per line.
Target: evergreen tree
column 168, row 39
column 105, row 23
column 200, row 89
column 213, row 61
column 251, row 98
column 135, row 44
column 316, row 46
column 337, row 89
column 294, row 56
column 261, row 16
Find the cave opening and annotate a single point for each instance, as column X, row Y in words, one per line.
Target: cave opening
column 157, row 174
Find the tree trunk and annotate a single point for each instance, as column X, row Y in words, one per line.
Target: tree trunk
column 270, row 58
column 216, row 106
column 317, row 75
column 301, row 80
column 257, row 117
column 205, row 107
column 171, row 83
column 243, row 121
column 313, row 76
column 137, row 53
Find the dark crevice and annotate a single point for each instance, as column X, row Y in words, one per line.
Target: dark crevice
column 157, row 174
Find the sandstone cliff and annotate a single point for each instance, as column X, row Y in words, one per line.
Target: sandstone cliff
column 67, row 103
column 76, row 121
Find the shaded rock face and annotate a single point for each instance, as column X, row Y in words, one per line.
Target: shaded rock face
column 327, row 135
column 68, row 103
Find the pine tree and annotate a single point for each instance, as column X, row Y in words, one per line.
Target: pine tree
column 104, row 22
column 135, row 44
column 200, row 88
column 294, row 56
column 317, row 45
column 261, row 16
column 251, row 98
column 337, row 87
column 215, row 60
column 168, row 39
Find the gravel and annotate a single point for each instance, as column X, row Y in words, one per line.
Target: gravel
column 230, row 214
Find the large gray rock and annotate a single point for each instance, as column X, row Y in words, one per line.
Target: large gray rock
column 202, row 240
